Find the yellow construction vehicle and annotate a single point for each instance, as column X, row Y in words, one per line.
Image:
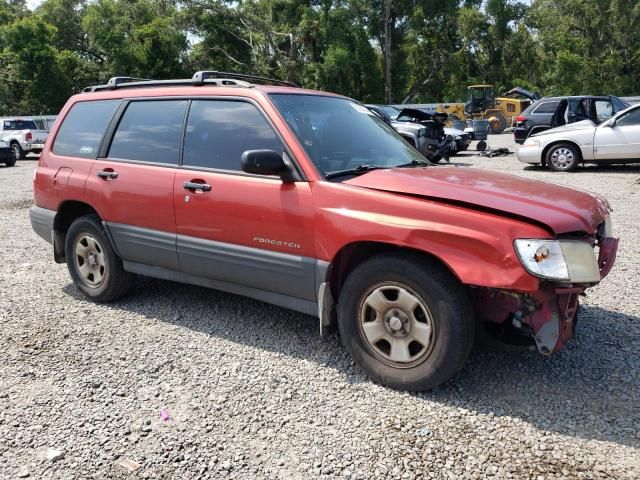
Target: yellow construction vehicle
column 482, row 104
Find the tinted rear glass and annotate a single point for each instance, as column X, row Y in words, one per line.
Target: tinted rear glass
column 82, row 129
column 20, row 125
column 219, row 131
column 618, row 104
column 546, row 107
column 150, row 131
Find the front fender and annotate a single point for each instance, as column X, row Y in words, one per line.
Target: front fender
column 477, row 246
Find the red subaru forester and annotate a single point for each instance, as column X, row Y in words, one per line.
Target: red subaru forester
column 307, row 200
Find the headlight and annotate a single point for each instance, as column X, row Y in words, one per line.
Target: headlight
column 532, row 142
column 562, row 260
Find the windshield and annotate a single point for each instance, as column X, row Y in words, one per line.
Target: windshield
column 340, row 134
column 20, row 125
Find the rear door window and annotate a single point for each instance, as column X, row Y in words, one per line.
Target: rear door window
column 546, row 107
column 603, row 110
column 219, row 131
column 82, row 129
column 150, row 131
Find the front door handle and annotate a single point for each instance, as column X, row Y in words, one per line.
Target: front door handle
column 197, row 186
column 107, row 174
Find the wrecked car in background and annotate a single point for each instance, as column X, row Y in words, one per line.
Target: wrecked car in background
column 616, row 140
column 424, row 130
column 551, row 112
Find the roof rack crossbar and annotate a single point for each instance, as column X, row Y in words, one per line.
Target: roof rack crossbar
column 199, row 77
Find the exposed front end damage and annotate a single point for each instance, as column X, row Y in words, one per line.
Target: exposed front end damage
column 546, row 317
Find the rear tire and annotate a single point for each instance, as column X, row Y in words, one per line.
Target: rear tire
column 406, row 320
column 18, row 153
column 562, row 157
column 501, row 124
column 93, row 265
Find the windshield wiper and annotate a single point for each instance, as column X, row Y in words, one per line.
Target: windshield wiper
column 352, row 171
column 415, row 163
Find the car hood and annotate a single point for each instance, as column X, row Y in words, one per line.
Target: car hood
column 570, row 127
column 454, row 131
column 561, row 209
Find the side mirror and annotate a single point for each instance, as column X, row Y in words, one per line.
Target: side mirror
column 612, row 123
column 266, row 162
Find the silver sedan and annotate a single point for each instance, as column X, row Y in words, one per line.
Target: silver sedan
column 616, row 140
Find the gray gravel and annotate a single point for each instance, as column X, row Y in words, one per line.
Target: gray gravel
column 252, row 392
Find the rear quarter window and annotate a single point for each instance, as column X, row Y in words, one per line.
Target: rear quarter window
column 546, row 107
column 83, row 128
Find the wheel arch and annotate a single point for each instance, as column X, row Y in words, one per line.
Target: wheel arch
column 353, row 254
column 68, row 212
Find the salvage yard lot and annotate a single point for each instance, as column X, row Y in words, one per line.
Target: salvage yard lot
column 252, row 392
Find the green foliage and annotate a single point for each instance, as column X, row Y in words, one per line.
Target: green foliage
column 438, row 47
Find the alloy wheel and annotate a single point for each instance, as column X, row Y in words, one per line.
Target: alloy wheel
column 562, row 158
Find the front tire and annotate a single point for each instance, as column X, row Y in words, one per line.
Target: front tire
column 93, row 265
column 406, row 320
column 10, row 161
column 562, row 157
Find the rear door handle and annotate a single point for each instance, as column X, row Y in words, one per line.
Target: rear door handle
column 197, row 186
column 107, row 174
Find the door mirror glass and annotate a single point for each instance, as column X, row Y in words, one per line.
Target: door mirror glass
column 265, row 162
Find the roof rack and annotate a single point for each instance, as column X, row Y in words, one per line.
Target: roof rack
column 206, row 77
column 199, row 78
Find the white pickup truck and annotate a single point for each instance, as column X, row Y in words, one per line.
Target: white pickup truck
column 22, row 135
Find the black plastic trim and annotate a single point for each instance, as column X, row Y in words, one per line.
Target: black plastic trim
column 105, row 143
column 285, row 301
column 42, row 222
column 144, row 245
column 287, row 274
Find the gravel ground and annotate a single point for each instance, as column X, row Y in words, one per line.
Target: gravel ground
column 252, row 392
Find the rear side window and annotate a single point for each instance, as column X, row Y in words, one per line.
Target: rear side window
column 219, row 131
column 20, row 125
column 150, row 131
column 82, row 129
column 546, row 107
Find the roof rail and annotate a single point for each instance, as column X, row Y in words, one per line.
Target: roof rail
column 209, row 77
column 200, row 77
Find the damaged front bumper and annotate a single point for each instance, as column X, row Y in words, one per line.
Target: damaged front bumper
column 548, row 316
